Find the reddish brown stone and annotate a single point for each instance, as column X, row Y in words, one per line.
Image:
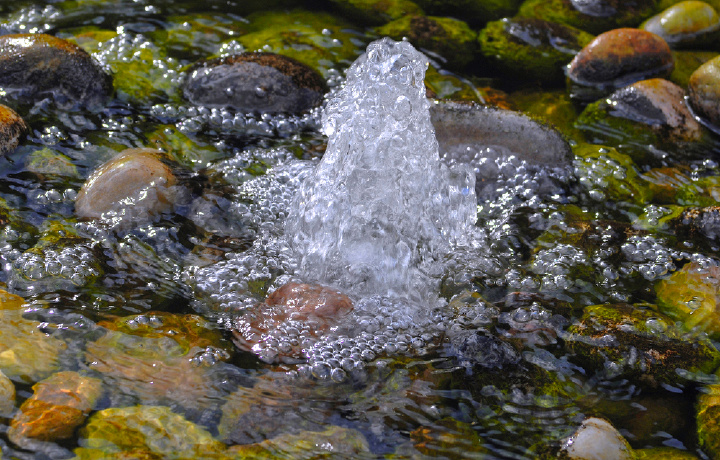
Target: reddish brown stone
column 620, row 57
column 304, row 301
column 12, row 128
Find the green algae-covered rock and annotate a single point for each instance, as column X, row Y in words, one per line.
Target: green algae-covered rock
column 47, row 162
column 708, row 420
column 333, row 442
column 444, row 85
column 160, row 358
column 690, row 295
column 532, row 47
column 553, row 107
column 593, row 16
column 612, row 174
column 663, row 453
column 450, row 38
column 198, row 34
column 691, row 23
column 704, row 90
column 190, row 152
column 448, row 438
column 639, row 344
column 702, row 192
column 58, row 405
column 27, row 354
column 145, row 432
column 318, row 40
column 476, row 12
column 666, row 181
column 659, row 218
column 377, row 12
column 687, row 62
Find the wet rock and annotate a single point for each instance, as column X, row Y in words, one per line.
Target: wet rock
column 617, row 58
column 198, row 34
column 145, row 432
column 161, row 358
column 532, row 47
column 7, row 395
column 134, row 185
column 12, row 129
column 690, row 295
column 686, row 24
column 597, row 439
column 475, row 349
column 60, row 260
column 332, row 441
column 694, row 223
column 377, row 12
column 186, row 149
column 704, row 192
column 260, row 82
column 475, row 12
column 307, row 309
column 49, row 163
column 318, row 40
column 35, row 66
column 708, row 418
column 704, row 90
column 480, row 136
column 663, row 453
column 642, row 117
column 27, row 353
column 59, row 405
column 686, row 63
column 594, row 16
column 452, row 39
column 448, row 86
column 666, row 181
column 638, row 344
column 439, row 439
column 552, row 107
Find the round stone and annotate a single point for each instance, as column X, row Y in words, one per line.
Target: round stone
column 262, row 82
column 35, row 66
column 136, row 182
column 704, row 90
column 620, row 57
column 685, row 23
column 12, row 128
column 597, row 439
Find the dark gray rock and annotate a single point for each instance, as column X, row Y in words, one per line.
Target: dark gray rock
column 474, row 348
column 262, row 82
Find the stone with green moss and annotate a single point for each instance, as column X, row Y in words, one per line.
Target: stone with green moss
column 475, row 12
column 688, row 24
column 611, row 174
column 451, row 38
column 687, row 62
column 701, row 192
column 532, row 47
column 663, row 453
column 708, row 420
column 659, row 219
column 145, row 432
column 47, row 162
column 553, row 107
column 377, row 12
column 640, row 344
column 444, row 85
column 690, row 295
column 199, row 34
column 188, row 151
column 599, row 15
column 316, row 39
column 27, row 353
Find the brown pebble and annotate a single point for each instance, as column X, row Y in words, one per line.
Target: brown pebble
column 12, row 128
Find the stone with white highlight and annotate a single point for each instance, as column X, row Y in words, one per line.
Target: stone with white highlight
column 597, row 439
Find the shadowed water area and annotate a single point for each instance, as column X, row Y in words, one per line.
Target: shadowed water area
column 426, row 248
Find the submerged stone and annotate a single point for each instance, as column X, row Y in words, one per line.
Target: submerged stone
column 307, row 308
column 7, row 395
column 686, row 63
column 35, row 66
column 377, row 12
column 145, row 432
column 532, row 47
column 663, row 453
column 452, row 39
column 262, row 82
column 708, row 420
column 12, row 129
column 475, row 12
column 638, row 344
column 134, row 185
column 47, row 162
column 58, row 405
column 597, row 439
column 474, row 349
column 704, row 91
column 594, row 16
column 27, row 353
column 331, row 442
column 690, row 23
column 618, row 58
column 690, row 295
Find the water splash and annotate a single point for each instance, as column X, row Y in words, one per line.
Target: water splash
column 381, row 210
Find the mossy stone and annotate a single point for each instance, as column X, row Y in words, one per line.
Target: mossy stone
column 704, row 90
column 592, row 16
column 688, row 24
column 702, row 192
column 377, row 12
column 475, row 12
column 334, row 441
column 451, row 38
column 198, row 34
column 532, row 47
column 189, row 151
column 443, row 85
column 663, row 453
column 708, row 418
column 687, row 62
column 48, row 162
column 553, row 107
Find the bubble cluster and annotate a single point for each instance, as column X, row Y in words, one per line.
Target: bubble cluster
column 49, row 270
column 31, row 20
column 595, row 174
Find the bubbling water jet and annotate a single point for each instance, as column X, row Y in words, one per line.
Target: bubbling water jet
column 381, row 210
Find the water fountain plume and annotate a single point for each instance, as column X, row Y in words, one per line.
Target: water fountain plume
column 381, row 210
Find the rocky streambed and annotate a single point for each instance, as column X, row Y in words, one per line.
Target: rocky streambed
column 152, row 304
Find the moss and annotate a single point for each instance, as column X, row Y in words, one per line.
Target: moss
column 445, row 85
column 377, row 12
column 476, row 12
column 708, row 416
column 663, row 453
column 531, row 47
column 48, row 162
column 198, row 34
column 450, row 38
column 187, row 151
column 687, row 62
column 702, row 192
column 666, row 223
column 626, row 14
column 552, row 107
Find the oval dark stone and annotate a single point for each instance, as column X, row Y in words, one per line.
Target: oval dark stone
column 35, row 66
column 262, row 82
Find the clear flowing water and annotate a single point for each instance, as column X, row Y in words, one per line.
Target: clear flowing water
column 271, row 199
